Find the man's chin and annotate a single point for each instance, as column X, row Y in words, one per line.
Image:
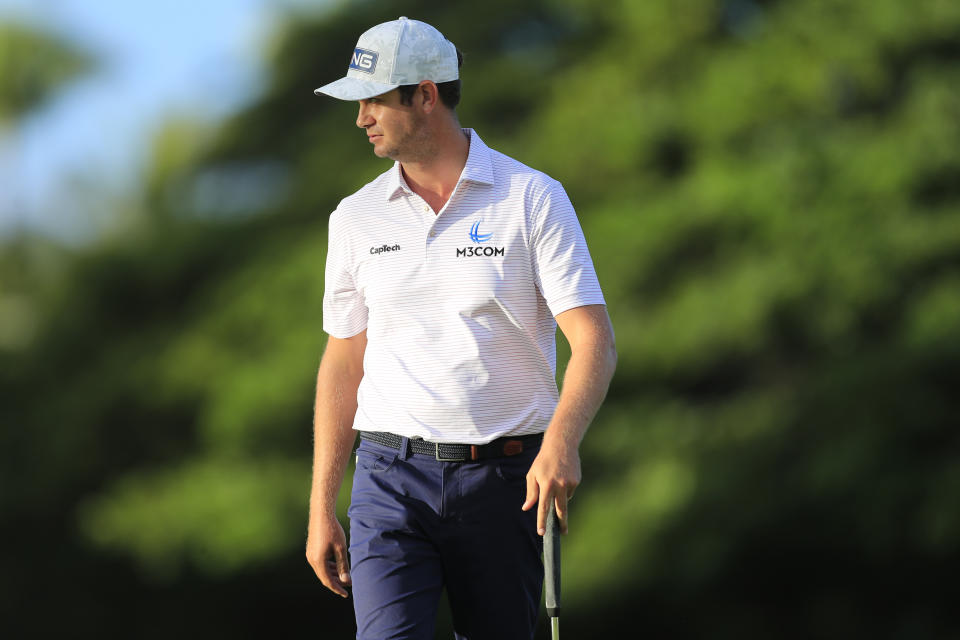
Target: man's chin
column 383, row 153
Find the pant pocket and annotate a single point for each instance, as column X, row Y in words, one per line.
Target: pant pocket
column 370, row 460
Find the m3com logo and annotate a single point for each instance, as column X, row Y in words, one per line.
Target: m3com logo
column 478, row 238
column 475, row 234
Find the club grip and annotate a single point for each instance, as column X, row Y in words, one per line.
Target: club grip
column 551, row 564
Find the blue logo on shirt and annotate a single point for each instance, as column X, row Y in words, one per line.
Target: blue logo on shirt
column 475, row 234
column 364, row 60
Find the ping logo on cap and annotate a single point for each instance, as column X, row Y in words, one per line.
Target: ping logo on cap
column 364, row 60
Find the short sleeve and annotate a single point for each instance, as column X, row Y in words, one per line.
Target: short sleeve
column 344, row 309
column 561, row 262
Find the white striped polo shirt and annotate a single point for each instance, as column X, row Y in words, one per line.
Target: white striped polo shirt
column 459, row 305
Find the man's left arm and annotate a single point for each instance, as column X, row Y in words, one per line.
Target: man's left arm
column 555, row 473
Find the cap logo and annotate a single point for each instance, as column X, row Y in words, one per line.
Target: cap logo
column 364, row 60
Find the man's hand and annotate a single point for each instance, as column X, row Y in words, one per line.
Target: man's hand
column 554, row 475
column 327, row 553
column 341, row 370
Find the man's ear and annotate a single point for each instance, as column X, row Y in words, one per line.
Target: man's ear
column 429, row 96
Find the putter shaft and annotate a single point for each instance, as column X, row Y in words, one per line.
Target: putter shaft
column 551, row 568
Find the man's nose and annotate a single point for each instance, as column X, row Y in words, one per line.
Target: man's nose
column 363, row 117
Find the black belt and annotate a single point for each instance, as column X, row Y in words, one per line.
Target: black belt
column 507, row 446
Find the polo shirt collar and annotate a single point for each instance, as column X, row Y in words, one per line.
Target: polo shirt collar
column 395, row 183
column 479, row 168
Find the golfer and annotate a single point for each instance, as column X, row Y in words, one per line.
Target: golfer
column 446, row 278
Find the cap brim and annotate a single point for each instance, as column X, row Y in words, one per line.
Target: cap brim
column 354, row 89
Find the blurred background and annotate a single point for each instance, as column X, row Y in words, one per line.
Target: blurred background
column 771, row 193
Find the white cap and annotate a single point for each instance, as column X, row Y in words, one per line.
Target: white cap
column 392, row 54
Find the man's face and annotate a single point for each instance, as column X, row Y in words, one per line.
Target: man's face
column 395, row 129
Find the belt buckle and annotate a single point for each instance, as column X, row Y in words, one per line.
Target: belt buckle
column 436, row 450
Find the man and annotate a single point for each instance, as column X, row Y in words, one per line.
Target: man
column 446, row 278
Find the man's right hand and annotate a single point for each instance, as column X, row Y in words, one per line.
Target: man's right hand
column 327, row 553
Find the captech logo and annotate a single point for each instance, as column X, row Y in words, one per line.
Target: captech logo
column 475, row 234
column 364, row 60
column 375, row 251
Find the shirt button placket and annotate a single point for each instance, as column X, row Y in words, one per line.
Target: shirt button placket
column 431, row 234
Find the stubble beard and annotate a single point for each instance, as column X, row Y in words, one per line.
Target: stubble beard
column 413, row 143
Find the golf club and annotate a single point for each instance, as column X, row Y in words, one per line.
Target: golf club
column 551, row 568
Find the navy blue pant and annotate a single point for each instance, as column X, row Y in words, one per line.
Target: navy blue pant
column 418, row 526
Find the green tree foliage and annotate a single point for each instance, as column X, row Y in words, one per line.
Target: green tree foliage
column 770, row 193
column 33, row 64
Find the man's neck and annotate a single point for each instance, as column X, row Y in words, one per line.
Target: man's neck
column 435, row 176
